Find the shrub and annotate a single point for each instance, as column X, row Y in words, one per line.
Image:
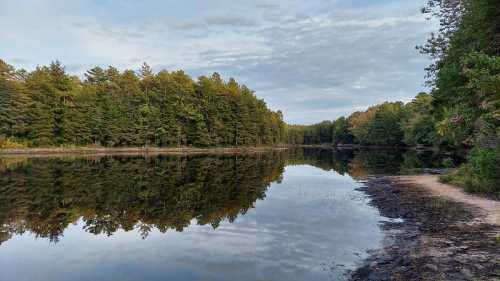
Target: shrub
column 481, row 173
column 485, row 168
column 448, row 163
column 6, row 143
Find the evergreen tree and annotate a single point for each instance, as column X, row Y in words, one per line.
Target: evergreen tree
column 113, row 108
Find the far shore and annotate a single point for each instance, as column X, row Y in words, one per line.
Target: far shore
column 49, row 151
column 100, row 150
column 374, row 147
column 173, row 150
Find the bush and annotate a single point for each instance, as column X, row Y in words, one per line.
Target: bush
column 484, row 165
column 447, row 163
column 481, row 173
column 6, row 143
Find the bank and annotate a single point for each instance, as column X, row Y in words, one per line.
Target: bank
column 443, row 233
column 49, row 151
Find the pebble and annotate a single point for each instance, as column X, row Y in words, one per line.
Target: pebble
column 430, row 266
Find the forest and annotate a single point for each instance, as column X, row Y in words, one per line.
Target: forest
column 48, row 107
column 460, row 113
column 389, row 124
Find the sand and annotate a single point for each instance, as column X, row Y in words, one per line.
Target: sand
column 490, row 209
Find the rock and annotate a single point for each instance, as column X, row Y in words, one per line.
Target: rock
column 478, row 266
column 467, row 272
column 430, row 266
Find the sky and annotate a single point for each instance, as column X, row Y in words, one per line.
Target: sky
column 313, row 60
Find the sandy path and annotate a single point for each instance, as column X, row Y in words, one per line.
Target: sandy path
column 489, row 208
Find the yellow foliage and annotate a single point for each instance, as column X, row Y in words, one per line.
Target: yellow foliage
column 359, row 122
column 6, row 143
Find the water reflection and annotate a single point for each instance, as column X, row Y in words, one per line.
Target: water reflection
column 111, row 193
column 292, row 215
column 359, row 164
column 44, row 196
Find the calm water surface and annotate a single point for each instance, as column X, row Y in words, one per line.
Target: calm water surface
column 276, row 216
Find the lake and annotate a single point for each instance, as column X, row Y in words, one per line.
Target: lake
column 281, row 215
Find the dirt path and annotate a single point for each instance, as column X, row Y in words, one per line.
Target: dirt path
column 490, row 209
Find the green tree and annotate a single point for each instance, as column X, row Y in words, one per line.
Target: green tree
column 114, row 108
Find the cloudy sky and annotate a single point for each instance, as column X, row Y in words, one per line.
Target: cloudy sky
column 314, row 60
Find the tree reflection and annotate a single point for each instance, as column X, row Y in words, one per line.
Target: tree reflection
column 360, row 164
column 45, row 196
column 112, row 193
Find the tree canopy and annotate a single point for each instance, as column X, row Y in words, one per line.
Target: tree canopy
column 462, row 110
column 49, row 107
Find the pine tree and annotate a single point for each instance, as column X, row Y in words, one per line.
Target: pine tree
column 112, row 108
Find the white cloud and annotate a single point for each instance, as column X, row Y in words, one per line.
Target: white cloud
column 313, row 60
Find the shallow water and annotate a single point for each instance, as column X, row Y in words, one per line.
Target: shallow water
column 275, row 216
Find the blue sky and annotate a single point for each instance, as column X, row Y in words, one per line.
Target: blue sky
column 314, row 60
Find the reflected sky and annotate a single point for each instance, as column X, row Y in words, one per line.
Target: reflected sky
column 312, row 225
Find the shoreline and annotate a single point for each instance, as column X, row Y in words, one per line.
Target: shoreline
column 369, row 147
column 189, row 149
column 103, row 151
column 444, row 234
column 91, row 151
column 489, row 209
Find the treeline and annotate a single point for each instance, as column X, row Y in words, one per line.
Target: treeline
column 462, row 111
column 387, row 124
column 466, row 93
column 48, row 107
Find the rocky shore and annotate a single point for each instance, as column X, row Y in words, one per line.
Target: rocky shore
column 438, row 238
